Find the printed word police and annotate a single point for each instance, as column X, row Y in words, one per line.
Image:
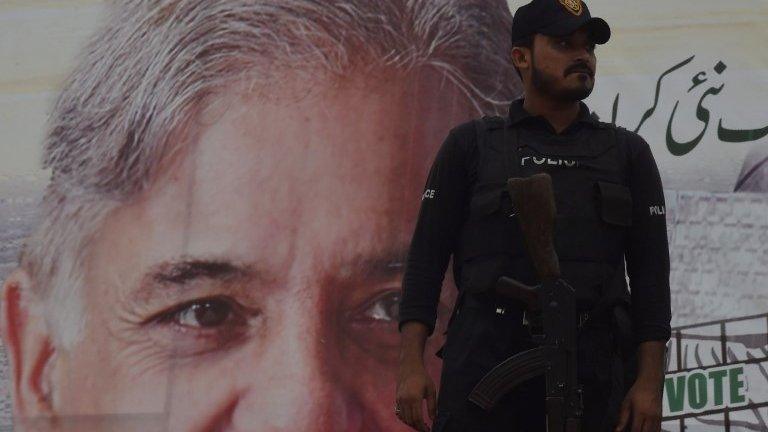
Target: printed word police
column 530, row 160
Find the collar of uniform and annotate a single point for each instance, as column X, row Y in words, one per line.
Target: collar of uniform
column 518, row 114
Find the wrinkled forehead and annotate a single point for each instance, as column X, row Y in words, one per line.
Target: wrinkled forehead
column 346, row 157
column 376, row 133
column 343, row 131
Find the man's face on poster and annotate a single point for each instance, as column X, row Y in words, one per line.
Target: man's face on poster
column 253, row 286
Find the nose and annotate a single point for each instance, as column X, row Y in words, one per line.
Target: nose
column 585, row 56
column 295, row 387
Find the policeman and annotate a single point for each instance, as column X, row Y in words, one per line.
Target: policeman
column 610, row 223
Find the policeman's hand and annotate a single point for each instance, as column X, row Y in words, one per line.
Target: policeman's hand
column 413, row 386
column 643, row 406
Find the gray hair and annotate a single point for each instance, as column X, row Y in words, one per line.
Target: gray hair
column 152, row 65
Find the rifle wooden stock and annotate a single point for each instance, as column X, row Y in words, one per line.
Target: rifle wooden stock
column 534, row 202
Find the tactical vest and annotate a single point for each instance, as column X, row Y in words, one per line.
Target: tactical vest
column 594, row 210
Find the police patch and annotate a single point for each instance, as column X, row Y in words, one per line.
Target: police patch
column 572, row 6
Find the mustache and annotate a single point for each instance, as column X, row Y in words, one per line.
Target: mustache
column 579, row 68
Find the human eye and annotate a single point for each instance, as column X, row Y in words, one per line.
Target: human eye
column 384, row 307
column 202, row 325
column 203, row 314
column 373, row 324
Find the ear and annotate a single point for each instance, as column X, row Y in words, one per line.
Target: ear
column 521, row 57
column 29, row 347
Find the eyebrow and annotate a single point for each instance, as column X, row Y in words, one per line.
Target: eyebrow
column 176, row 275
column 378, row 266
column 183, row 272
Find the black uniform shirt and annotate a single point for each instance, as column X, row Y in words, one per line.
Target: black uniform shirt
column 445, row 206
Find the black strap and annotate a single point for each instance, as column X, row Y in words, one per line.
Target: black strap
column 512, row 151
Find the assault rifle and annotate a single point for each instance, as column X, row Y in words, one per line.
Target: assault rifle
column 551, row 306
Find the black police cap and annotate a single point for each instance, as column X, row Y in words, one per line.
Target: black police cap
column 557, row 18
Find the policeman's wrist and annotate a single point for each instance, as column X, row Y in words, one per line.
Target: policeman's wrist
column 411, row 364
column 650, row 380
